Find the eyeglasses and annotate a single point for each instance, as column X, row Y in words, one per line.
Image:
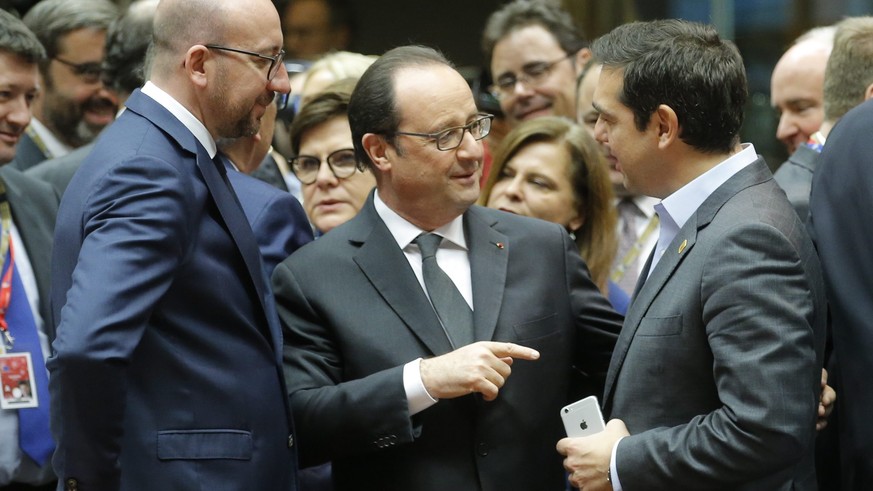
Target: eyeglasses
column 342, row 163
column 275, row 60
column 533, row 74
column 451, row 138
column 89, row 71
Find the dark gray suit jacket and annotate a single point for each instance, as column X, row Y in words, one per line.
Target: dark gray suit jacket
column 59, row 171
column 354, row 313
column 34, row 206
column 716, row 372
column 27, row 154
column 795, row 178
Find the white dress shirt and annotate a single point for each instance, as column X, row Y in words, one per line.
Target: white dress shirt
column 452, row 258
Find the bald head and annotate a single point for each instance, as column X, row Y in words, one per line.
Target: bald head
column 797, row 89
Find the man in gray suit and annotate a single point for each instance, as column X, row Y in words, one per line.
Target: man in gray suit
column 27, row 213
column 395, row 394
column 714, row 381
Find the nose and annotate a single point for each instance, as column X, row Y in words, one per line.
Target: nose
column 470, row 148
column 280, row 82
column 325, row 177
column 600, row 131
column 20, row 112
column 513, row 189
column 788, row 128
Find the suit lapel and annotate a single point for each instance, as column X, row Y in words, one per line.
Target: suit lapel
column 679, row 248
column 214, row 175
column 489, row 257
column 385, row 266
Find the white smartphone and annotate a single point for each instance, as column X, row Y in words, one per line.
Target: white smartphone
column 583, row 418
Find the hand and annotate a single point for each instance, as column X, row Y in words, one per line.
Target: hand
column 587, row 458
column 479, row 367
column 826, row 402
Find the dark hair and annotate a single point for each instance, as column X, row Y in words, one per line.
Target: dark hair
column 17, row 39
column 686, row 66
column 850, row 67
column 522, row 13
column 127, row 42
column 51, row 20
column 372, row 107
column 324, row 106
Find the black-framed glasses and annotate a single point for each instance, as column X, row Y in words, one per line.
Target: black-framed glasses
column 275, row 60
column 342, row 163
column 451, row 138
column 533, row 74
column 89, row 71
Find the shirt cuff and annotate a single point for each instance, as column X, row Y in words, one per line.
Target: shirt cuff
column 613, row 470
column 416, row 395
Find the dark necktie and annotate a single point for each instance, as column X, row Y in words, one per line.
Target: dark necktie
column 453, row 311
column 33, row 423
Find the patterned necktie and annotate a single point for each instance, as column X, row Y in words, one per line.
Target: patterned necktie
column 628, row 211
column 453, row 311
column 33, row 423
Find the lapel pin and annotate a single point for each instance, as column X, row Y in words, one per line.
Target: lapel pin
column 682, row 246
column 499, row 245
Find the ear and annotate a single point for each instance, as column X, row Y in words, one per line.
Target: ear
column 196, row 64
column 667, row 125
column 583, row 56
column 377, row 149
column 576, row 223
column 868, row 92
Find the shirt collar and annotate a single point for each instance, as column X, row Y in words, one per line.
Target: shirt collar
column 405, row 232
column 194, row 125
column 680, row 205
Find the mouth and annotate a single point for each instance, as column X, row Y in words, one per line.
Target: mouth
column 10, row 137
column 508, row 210
column 100, row 112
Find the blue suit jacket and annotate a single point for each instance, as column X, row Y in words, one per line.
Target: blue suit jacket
column 166, row 370
column 277, row 219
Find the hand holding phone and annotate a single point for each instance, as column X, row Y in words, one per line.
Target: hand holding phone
column 583, row 418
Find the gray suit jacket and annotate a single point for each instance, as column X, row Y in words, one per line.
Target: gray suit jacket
column 354, row 313
column 795, row 178
column 59, row 171
column 27, row 153
column 716, row 372
column 34, row 206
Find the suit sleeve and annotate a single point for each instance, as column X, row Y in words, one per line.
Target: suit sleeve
column 597, row 323
column 135, row 235
column 282, row 228
column 759, row 319
column 333, row 417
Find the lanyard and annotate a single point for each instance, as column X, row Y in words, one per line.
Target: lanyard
column 634, row 251
column 6, row 282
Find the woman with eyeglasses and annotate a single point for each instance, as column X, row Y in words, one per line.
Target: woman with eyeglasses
column 334, row 187
column 550, row 168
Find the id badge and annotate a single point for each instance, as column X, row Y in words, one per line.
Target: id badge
column 16, row 377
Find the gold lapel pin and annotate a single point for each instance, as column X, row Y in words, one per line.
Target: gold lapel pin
column 682, row 246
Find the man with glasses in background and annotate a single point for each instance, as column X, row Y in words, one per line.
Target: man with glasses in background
column 166, row 372
column 75, row 105
column 535, row 54
column 434, row 350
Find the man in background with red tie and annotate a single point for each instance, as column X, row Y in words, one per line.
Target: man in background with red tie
column 28, row 208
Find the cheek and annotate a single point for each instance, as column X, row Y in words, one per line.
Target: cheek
column 358, row 187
